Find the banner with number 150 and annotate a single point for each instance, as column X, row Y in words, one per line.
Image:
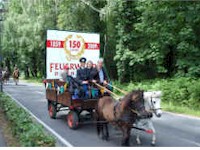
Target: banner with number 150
column 65, row 48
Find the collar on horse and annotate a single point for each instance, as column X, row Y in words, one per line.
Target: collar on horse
column 116, row 106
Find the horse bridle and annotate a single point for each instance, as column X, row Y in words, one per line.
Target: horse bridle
column 154, row 109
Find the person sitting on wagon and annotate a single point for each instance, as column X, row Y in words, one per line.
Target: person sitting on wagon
column 92, row 72
column 82, row 77
column 93, row 77
column 74, row 87
column 103, row 78
column 102, row 74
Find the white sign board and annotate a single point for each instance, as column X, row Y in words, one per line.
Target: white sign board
column 65, row 48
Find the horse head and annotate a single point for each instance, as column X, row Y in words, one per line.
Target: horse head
column 137, row 104
column 152, row 102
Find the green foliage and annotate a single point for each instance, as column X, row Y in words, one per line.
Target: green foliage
column 27, row 131
column 182, row 91
column 147, row 39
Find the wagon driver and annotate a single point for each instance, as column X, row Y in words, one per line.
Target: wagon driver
column 82, row 77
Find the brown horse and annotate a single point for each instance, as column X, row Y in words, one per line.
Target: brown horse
column 121, row 114
column 16, row 76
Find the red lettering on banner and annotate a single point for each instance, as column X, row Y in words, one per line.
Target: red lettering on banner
column 51, row 66
column 77, row 66
column 61, row 66
column 54, row 44
column 72, row 66
column 92, row 46
column 66, row 66
column 56, row 66
column 60, row 44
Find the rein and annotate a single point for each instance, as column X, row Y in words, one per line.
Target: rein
column 135, row 111
column 122, row 91
column 110, row 92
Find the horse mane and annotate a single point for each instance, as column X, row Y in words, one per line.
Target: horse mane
column 128, row 97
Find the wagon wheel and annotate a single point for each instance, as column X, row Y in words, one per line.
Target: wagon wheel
column 52, row 110
column 73, row 120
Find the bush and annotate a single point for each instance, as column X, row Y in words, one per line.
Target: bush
column 176, row 91
column 24, row 128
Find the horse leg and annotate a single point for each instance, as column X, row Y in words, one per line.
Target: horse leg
column 101, row 133
column 123, row 134
column 106, row 131
column 153, row 141
column 138, row 135
column 126, row 136
column 98, row 126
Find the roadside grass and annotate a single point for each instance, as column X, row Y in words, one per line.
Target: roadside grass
column 180, row 109
column 24, row 128
column 6, row 126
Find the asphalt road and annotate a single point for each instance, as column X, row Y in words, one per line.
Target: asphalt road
column 172, row 130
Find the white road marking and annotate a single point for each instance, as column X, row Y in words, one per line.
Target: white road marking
column 189, row 141
column 183, row 115
column 39, row 92
column 61, row 139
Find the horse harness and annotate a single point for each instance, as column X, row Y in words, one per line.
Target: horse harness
column 152, row 105
column 126, row 117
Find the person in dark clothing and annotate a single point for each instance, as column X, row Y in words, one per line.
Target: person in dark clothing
column 74, row 86
column 82, row 77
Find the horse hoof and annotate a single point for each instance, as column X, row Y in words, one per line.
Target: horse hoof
column 138, row 142
column 104, row 138
column 107, row 138
column 153, row 144
column 125, row 144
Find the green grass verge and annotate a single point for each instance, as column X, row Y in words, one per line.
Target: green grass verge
column 180, row 109
column 26, row 130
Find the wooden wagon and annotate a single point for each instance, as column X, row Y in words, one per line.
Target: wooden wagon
column 58, row 101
